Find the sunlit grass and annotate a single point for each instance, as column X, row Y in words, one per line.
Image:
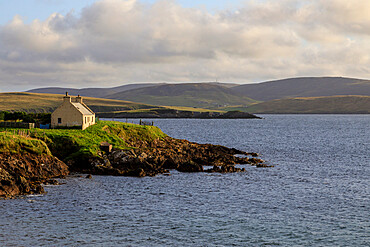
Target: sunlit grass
column 71, row 143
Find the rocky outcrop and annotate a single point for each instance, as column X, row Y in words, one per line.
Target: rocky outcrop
column 24, row 174
column 160, row 156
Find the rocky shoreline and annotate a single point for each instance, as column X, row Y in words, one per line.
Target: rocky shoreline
column 170, row 113
column 23, row 174
column 24, row 171
column 161, row 156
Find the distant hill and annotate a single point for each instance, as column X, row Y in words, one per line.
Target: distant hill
column 227, row 85
column 229, row 97
column 304, row 87
column 38, row 103
column 203, row 95
column 90, row 92
column 315, row 105
column 47, row 103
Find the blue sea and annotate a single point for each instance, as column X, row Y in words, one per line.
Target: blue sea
column 318, row 193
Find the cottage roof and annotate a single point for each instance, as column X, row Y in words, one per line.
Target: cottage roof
column 84, row 110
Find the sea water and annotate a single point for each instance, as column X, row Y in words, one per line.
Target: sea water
column 318, row 193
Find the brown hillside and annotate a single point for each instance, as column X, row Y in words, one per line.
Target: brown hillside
column 314, row 105
column 304, row 87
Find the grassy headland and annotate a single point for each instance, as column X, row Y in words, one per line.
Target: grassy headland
column 13, row 142
column 29, row 158
column 69, row 144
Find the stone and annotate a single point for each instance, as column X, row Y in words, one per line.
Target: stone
column 190, row 166
column 22, row 174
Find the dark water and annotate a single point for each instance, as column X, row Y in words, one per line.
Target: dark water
column 317, row 195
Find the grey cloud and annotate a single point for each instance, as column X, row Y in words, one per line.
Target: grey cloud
column 120, row 41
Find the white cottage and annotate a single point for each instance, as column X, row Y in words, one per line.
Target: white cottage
column 72, row 114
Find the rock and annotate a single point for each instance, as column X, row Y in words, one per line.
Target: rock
column 149, row 158
column 142, row 156
column 190, row 166
column 38, row 189
column 52, row 182
column 225, row 169
column 136, row 173
column 24, row 174
column 262, row 165
column 89, row 176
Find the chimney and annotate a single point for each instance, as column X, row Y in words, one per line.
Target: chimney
column 79, row 99
column 67, row 98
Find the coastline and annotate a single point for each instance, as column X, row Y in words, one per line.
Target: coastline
column 169, row 113
column 138, row 151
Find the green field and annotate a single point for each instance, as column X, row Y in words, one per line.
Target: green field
column 13, row 141
column 46, row 103
column 76, row 144
column 34, row 102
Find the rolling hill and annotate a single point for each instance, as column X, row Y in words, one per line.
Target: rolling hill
column 38, row 103
column 90, row 92
column 294, row 95
column 315, row 105
column 46, row 103
column 304, row 87
column 202, row 95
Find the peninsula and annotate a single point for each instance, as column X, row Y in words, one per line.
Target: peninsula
column 29, row 158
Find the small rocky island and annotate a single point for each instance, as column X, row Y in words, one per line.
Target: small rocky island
column 171, row 113
column 34, row 157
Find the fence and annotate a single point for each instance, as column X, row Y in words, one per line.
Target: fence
column 17, row 125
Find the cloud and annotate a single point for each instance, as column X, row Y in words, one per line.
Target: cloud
column 116, row 41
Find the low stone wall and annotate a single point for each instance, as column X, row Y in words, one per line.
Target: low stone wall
column 17, row 125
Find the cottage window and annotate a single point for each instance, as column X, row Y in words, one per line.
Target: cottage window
column 59, row 120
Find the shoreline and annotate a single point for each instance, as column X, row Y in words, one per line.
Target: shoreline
column 148, row 152
column 173, row 114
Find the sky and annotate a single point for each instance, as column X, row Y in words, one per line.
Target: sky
column 89, row 43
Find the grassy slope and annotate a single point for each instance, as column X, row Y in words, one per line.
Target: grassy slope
column 333, row 104
column 34, row 102
column 72, row 143
column 208, row 96
column 90, row 92
column 12, row 142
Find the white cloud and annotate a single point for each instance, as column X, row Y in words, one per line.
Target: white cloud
column 117, row 41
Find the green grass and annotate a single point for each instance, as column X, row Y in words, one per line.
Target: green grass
column 47, row 103
column 44, row 103
column 11, row 142
column 81, row 144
